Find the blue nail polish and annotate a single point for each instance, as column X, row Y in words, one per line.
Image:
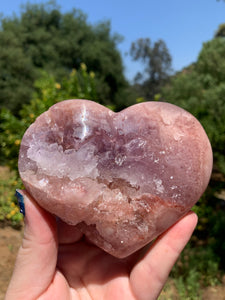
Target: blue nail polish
column 20, row 199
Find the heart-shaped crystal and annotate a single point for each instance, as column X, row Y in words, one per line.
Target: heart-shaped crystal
column 121, row 178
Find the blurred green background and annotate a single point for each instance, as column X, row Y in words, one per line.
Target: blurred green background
column 47, row 56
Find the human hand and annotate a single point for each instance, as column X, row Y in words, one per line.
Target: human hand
column 56, row 262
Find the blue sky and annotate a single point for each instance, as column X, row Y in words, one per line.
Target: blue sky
column 183, row 25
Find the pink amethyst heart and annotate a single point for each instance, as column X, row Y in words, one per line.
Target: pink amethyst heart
column 121, row 178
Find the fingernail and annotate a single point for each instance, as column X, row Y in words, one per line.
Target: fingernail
column 20, row 199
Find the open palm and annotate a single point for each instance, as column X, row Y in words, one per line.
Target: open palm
column 56, row 262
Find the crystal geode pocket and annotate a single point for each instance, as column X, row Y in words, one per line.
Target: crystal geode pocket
column 121, row 178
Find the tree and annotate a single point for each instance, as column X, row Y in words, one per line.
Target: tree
column 157, row 65
column 17, row 72
column 220, row 31
column 44, row 38
column 200, row 89
column 211, row 60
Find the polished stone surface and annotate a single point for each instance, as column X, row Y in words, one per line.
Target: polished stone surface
column 121, row 178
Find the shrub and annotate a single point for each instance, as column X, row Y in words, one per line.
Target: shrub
column 9, row 210
column 196, row 268
column 80, row 84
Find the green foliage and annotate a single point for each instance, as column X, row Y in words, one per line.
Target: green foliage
column 217, row 225
column 211, row 60
column 196, row 268
column 17, row 72
column 220, row 31
column 11, row 129
column 198, row 261
column 80, row 84
column 201, row 263
column 189, row 288
column 200, row 89
column 43, row 38
column 9, row 211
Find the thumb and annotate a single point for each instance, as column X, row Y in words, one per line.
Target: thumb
column 36, row 261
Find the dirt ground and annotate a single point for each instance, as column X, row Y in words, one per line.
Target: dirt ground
column 10, row 240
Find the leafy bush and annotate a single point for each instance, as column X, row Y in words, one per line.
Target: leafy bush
column 217, row 225
column 196, row 268
column 80, row 84
column 9, row 210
